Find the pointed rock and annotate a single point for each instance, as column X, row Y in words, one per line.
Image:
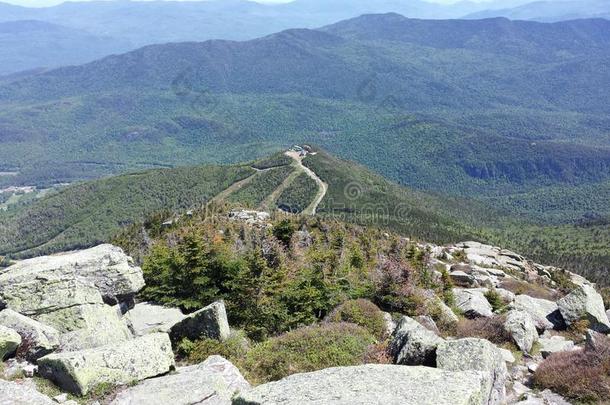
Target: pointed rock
column 522, row 329
column 473, row 303
column 210, row 322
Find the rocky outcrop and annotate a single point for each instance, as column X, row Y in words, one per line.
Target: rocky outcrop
column 520, row 326
column 554, row 344
column 472, row 303
column 147, row 318
column 491, row 256
column 105, row 267
column 544, row 313
column 213, row 382
column 9, row 342
column 414, row 345
column 209, row 322
column 584, row 303
column 80, row 372
column 371, row 384
column 250, row 217
column 40, row 339
column 13, row 393
column 69, row 292
column 476, row 355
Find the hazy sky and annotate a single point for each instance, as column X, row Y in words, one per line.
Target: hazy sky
column 42, row 3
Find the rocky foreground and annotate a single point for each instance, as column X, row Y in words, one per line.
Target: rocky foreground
column 73, row 319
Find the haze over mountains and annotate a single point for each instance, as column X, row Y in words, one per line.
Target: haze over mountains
column 117, row 26
column 550, row 11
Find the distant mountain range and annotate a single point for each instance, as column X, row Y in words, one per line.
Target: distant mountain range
column 118, row 26
column 28, row 44
column 484, row 108
column 550, row 11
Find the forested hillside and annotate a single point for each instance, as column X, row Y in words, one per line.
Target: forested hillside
column 92, row 212
column 86, row 214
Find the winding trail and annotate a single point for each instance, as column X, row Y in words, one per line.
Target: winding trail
column 322, row 187
column 271, row 198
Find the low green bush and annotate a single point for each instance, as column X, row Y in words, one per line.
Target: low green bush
column 363, row 313
column 495, row 300
column 233, row 349
column 308, row 349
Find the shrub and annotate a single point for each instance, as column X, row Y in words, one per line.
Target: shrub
column 283, row 231
column 396, row 289
column 363, row 313
column 378, row 354
column 495, row 300
column 582, row 375
column 459, row 256
column 232, row 349
column 448, row 296
column 308, row 349
column 491, row 329
column 562, row 280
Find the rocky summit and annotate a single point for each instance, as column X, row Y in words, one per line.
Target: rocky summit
column 76, row 321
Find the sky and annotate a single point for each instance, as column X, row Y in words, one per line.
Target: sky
column 44, row 3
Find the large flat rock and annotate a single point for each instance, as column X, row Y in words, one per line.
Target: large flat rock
column 213, row 382
column 371, row 384
column 105, row 267
column 80, row 372
column 47, row 295
column 100, row 325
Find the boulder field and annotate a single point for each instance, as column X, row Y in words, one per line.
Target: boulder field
column 74, row 319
